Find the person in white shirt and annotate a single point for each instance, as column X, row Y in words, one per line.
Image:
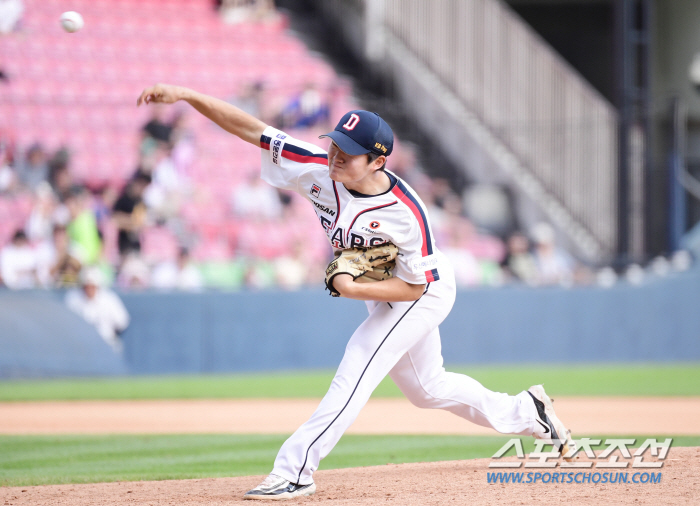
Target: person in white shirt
column 18, row 263
column 179, row 275
column 100, row 307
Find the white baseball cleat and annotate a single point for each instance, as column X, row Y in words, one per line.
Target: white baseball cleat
column 276, row 488
column 550, row 427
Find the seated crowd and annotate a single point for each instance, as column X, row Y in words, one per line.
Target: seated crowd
column 157, row 230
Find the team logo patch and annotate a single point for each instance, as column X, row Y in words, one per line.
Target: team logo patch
column 315, row 190
column 352, row 122
column 332, row 267
column 374, row 225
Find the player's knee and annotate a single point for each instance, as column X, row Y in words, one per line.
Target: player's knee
column 422, row 399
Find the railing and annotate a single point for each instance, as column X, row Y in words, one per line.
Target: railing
column 562, row 130
column 559, row 128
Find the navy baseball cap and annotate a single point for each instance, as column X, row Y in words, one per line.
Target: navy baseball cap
column 360, row 132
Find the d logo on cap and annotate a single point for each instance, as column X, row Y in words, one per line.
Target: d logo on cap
column 352, row 122
column 359, row 132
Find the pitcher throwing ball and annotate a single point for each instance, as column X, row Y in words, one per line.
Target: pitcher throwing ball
column 362, row 205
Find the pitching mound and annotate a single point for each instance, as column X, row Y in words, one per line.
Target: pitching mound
column 439, row 483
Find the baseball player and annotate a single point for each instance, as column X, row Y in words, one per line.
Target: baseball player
column 361, row 204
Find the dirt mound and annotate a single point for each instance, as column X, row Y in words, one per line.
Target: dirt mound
column 438, row 483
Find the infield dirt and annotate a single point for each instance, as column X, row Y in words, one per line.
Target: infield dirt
column 437, row 483
column 584, row 415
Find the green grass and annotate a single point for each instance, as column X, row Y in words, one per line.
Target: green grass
column 633, row 380
column 38, row 460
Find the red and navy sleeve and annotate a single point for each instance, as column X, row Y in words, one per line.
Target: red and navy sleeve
column 285, row 158
column 418, row 264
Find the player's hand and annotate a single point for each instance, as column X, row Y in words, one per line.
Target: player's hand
column 161, row 94
column 343, row 283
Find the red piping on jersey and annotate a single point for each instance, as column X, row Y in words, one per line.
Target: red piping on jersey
column 347, row 235
column 412, row 206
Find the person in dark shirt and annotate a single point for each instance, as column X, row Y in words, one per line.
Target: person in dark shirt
column 130, row 214
column 157, row 128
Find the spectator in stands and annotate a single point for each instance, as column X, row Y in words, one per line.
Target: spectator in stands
column 8, row 178
column 250, row 99
column 34, row 168
column 103, row 202
column 255, row 199
column 40, row 224
column 157, row 128
column 82, row 228
column 130, row 214
column 466, row 267
column 241, row 11
column 10, row 14
column 554, row 267
column 178, row 275
column 100, row 307
column 58, row 265
column 59, row 175
column 18, row 263
column 164, row 195
column 305, row 110
column 292, row 271
column 182, row 139
column 134, row 272
column 519, row 263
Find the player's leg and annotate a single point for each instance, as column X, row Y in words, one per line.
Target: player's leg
column 387, row 334
column 419, row 374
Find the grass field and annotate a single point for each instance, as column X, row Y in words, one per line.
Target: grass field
column 33, row 460
column 591, row 380
column 39, row 460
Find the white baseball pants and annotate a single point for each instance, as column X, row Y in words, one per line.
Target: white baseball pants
column 402, row 340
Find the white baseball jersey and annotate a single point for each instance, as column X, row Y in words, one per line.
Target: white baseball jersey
column 400, row 339
column 351, row 219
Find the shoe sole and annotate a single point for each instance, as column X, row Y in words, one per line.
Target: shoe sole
column 282, row 497
column 565, row 435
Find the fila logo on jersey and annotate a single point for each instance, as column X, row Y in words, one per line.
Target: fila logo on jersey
column 315, row 190
column 374, row 225
column 276, row 148
column 352, row 122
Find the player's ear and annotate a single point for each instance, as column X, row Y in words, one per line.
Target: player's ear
column 379, row 163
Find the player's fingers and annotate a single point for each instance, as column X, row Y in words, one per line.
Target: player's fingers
column 143, row 97
column 149, row 95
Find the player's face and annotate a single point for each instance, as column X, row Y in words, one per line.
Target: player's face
column 345, row 168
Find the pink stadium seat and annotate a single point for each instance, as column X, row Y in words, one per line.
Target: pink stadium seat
column 80, row 91
column 158, row 244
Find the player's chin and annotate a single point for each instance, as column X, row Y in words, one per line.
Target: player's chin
column 336, row 175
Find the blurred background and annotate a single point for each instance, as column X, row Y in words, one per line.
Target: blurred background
column 556, row 144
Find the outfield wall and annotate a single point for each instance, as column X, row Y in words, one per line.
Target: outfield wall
column 40, row 337
column 249, row 331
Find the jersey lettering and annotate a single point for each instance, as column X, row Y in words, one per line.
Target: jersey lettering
column 352, row 122
column 356, row 241
column 323, row 208
column 337, row 239
column 376, row 241
column 276, row 147
column 326, row 224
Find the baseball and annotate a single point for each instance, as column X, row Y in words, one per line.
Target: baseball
column 71, row 21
